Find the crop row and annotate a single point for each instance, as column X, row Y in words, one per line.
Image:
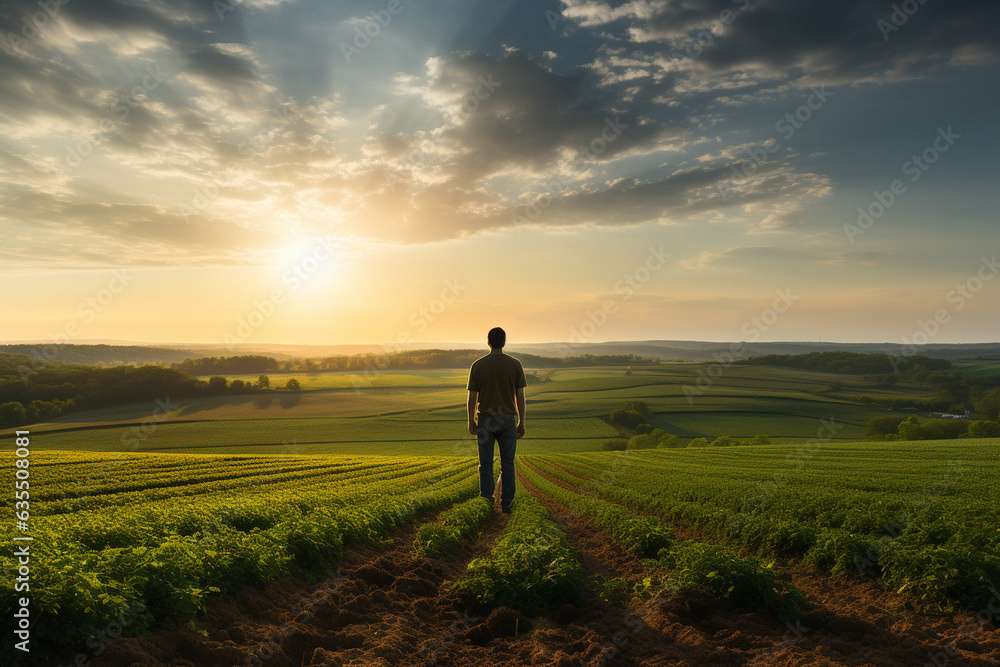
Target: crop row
column 440, row 538
column 107, row 480
column 244, row 508
column 215, row 484
column 743, row 580
column 530, row 564
column 940, row 544
column 115, row 474
column 642, row 535
column 168, row 567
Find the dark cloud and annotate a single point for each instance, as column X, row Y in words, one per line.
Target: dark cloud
column 552, row 134
column 121, row 16
column 837, row 41
column 778, row 190
column 211, row 61
column 36, row 76
column 514, row 111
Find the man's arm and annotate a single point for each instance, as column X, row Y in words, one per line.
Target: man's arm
column 519, row 396
column 473, row 397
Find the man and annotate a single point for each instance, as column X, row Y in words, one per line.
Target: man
column 496, row 383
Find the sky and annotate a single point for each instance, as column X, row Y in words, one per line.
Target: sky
column 313, row 172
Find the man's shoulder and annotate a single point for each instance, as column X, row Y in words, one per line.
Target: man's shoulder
column 478, row 363
column 499, row 359
column 505, row 358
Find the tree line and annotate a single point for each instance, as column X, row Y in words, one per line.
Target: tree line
column 32, row 391
column 403, row 360
column 896, row 427
column 856, row 363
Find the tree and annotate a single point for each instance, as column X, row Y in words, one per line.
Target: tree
column 723, row 441
column 641, row 407
column 217, row 384
column 909, row 429
column 238, row 385
column 658, row 434
column 984, row 429
column 698, row 442
column 668, row 441
column 615, row 445
column 626, row 418
column 38, row 411
column 263, row 382
column 293, row 385
column 642, row 441
column 12, row 413
column 882, row 428
column 932, row 429
column 989, row 404
column 760, row 440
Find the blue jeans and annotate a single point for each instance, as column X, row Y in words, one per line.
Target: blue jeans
column 503, row 430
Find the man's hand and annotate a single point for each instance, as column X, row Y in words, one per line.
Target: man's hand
column 520, row 430
column 473, row 399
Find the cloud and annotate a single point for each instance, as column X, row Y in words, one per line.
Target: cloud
column 125, row 233
column 757, row 255
column 76, row 105
column 826, row 41
column 521, row 145
column 516, row 113
column 470, row 143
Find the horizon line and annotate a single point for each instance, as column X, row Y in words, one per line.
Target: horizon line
column 430, row 344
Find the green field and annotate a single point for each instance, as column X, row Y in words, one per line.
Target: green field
column 166, row 531
column 162, row 507
column 917, row 515
column 169, row 531
column 980, row 368
column 411, row 412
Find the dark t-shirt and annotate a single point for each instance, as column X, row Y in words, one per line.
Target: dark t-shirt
column 495, row 377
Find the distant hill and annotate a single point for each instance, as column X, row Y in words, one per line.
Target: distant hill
column 122, row 352
column 100, row 355
column 704, row 350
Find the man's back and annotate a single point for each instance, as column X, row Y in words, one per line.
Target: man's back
column 495, row 377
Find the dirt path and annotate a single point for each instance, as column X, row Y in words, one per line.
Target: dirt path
column 573, row 473
column 849, row 622
column 384, row 608
column 689, row 629
column 380, row 607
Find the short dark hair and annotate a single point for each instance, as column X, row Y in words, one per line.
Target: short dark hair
column 497, row 337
